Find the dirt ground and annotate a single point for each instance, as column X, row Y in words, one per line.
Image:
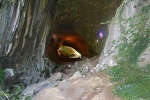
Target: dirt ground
column 95, row 87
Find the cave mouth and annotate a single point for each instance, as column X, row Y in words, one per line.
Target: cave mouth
column 67, row 46
column 81, row 29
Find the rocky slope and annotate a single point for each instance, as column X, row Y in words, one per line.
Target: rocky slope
column 95, row 87
column 82, row 85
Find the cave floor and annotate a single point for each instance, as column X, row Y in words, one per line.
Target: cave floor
column 74, row 82
column 95, row 87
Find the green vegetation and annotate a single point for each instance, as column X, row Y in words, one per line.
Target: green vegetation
column 14, row 94
column 9, row 2
column 2, row 93
column 133, row 82
column 1, row 77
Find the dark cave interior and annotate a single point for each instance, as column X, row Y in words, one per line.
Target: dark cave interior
column 71, row 40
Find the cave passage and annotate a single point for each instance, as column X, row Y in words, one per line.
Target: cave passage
column 68, row 46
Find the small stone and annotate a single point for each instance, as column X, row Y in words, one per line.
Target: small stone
column 56, row 77
column 85, row 70
column 85, row 98
column 69, row 66
column 76, row 64
column 76, row 75
column 93, row 91
column 83, row 76
column 9, row 73
column 98, row 90
column 3, row 98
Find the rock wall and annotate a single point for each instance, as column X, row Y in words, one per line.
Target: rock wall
column 129, row 10
column 25, row 24
column 6, row 11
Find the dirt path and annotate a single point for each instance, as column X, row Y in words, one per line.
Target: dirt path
column 95, row 87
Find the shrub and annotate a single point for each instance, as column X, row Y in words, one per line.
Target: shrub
column 132, row 81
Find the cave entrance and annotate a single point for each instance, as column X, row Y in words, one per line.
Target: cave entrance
column 82, row 26
column 68, row 46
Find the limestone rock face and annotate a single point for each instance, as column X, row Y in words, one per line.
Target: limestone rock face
column 6, row 12
column 35, row 88
column 24, row 25
column 9, row 73
column 106, row 58
column 9, row 76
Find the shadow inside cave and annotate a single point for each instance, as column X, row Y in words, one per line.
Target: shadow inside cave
column 71, row 40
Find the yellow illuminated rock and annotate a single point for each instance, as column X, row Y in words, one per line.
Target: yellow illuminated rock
column 68, row 51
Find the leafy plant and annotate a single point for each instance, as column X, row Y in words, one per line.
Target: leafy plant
column 132, row 81
column 9, row 2
column 2, row 93
column 1, row 77
column 14, row 94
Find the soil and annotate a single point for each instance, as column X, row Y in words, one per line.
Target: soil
column 95, row 87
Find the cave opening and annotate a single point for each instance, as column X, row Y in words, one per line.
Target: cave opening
column 80, row 30
column 67, row 46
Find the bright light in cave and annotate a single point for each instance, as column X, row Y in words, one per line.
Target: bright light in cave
column 68, row 51
column 101, row 35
